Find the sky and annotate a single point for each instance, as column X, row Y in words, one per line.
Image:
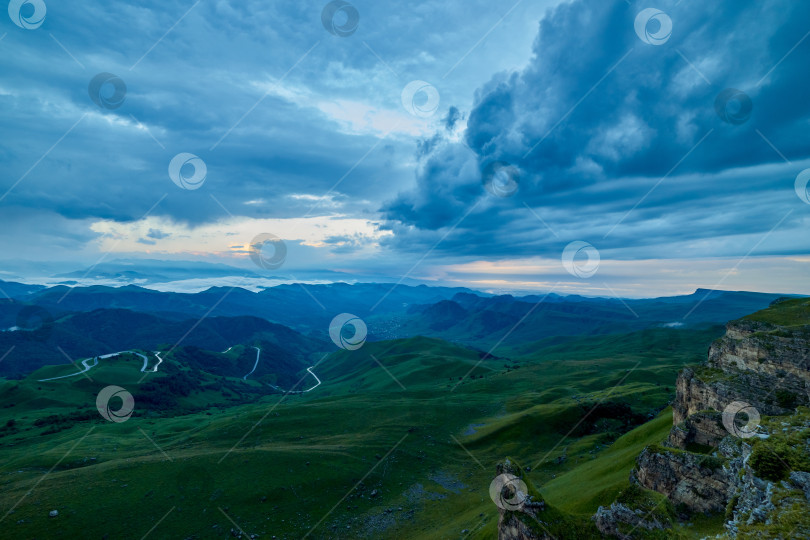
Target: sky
column 626, row 148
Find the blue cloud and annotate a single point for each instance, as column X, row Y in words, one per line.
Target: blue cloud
column 596, row 120
column 157, row 234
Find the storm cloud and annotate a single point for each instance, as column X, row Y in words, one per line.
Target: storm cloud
column 631, row 146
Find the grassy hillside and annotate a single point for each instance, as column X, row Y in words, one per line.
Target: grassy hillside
column 597, row 482
column 788, row 312
column 357, row 457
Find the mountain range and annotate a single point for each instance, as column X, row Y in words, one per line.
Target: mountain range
column 88, row 321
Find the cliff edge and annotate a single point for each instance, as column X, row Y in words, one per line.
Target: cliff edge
column 740, row 443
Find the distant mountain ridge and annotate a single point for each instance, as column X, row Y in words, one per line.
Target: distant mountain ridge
column 298, row 306
column 476, row 320
column 99, row 319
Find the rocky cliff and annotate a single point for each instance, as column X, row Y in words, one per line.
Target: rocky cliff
column 759, row 364
column 518, row 505
column 766, row 365
column 701, row 483
column 740, row 444
column 524, row 515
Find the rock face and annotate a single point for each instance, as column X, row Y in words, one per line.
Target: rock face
column 802, row 481
column 762, row 364
column 703, row 428
column 514, row 528
column 710, row 463
column 518, row 505
column 698, row 482
column 613, row 521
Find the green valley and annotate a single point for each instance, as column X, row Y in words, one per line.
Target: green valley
column 401, row 439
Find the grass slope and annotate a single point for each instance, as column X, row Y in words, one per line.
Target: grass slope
column 359, row 457
column 789, row 312
column 598, row 482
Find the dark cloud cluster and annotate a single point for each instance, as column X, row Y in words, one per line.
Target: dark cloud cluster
column 598, row 117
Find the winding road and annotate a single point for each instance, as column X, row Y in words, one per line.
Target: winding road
column 88, row 366
column 258, row 352
column 309, row 370
column 160, row 361
column 95, row 360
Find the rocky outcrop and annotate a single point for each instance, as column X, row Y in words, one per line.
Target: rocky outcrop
column 762, row 364
column 697, row 482
column 517, row 503
column 801, row 480
column 524, row 515
column 512, row 527
column 619, row 519
column 759, row 474
column 701, row 429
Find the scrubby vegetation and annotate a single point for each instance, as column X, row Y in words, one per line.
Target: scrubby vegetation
column 783, row 451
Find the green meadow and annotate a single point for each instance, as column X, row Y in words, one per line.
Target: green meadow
column 400, row 440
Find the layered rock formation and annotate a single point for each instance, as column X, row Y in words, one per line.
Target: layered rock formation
column 719, row 456
column 765, row 365
column 761, row 365
column 700, row 483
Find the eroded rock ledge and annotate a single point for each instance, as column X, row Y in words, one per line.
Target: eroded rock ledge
column 763, row 364
column 519, row 506
column 759, row 478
